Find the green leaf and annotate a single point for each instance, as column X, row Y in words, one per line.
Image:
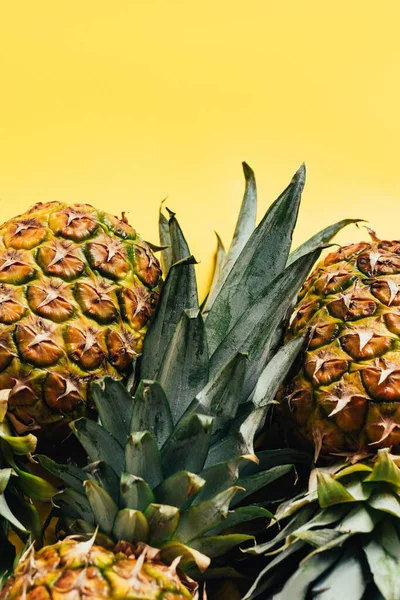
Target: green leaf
column 35, row 487
column 253, row 483
column 260, row 262
column 179, row 293
column 188, row 556
column 200, row 518
column 105, row 477
column 7, row 514
column 346, row 580
column 244, row 228
column 114, row 405
column 218, row 545
column 192, row 432
column 99, row 444
column 275, row 572
column 255, row 333
column 275, row 372
column 385, row 501
column 327, row 516
column 384, row 469
column 220, row 476
column 298, row 584
column 385, row 568
column 135, row 492
column 317, row 537
column 151, row 411
column 331, row 491
column 103, row 506
column 184, row 370
column 353, row 469
column 359, row 520
column 165, row 240
column 243, row 514
column 220, row 258
column 143, row 458
column 163, row 521
column 72, row 475
column 179, row 489
column 131, row 526
column 320, row 239
column 239, row 440
column 179, row 245
column 221, row 396
column 299, row 520
column 274, row 458
column 5, row 475
column 75, row 505
column 21, row 445
column 331, row 542
column 26, row 512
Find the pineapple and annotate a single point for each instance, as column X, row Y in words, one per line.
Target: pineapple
column 345, row 398
column 80, row 569
column 77, row 290
column 171, row 469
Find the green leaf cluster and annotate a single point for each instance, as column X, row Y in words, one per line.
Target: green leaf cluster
column 339, row 540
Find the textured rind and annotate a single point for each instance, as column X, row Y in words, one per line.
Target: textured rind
column 345, row 399
column 77, row 289
column 70, row 570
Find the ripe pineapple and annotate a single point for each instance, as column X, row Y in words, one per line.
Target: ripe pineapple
column 77, row 289
column 73, row 569
column 345, row 399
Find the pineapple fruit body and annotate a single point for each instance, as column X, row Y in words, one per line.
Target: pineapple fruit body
column 345, row 399
column 77, row 289
column 80, row 570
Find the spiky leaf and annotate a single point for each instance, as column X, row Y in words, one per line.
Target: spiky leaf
column 244, row 228
column 200, row 518
column 151, row 411
column 114, row 406
column 143, row 458
column 184, row 370
column 135, row 492
column 179, row 293
column 99, row 444
column 179, row 489
column 193, row 431
column 103, row 506
column 261, row 260
column 131, row 526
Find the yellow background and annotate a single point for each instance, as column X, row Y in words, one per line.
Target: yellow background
column 121, row 103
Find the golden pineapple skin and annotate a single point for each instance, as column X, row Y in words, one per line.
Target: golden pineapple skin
column 77, row 289
column 345, row 398
column 73, row 570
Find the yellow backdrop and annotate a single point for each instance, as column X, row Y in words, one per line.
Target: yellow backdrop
column 122, row 103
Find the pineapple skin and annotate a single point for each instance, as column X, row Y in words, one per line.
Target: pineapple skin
column 79, row 570
column 77, row 289
column 345, row 398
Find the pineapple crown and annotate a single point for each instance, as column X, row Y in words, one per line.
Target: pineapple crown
column 343, row 530
column 172, row 465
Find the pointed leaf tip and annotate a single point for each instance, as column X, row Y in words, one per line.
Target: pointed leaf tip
column 300, row 175
column 247, row 170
